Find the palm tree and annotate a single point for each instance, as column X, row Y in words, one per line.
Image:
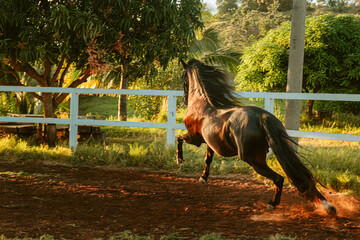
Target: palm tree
column 207, row 48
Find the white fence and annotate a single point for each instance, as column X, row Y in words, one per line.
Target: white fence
column 171, row 124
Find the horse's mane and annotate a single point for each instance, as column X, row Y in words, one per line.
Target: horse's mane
column 215, row 84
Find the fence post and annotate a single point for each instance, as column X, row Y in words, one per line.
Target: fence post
column 74, row 112
column 269, row 104
column 171, row 120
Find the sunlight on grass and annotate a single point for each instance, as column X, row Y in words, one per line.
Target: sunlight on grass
column 336, row 164
column 281, row 237
column 15, row 149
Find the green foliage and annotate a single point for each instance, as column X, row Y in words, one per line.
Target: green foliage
column 4, row 104
column 266, row 6
column 11, row 102
column 102, row 107
column 332, row 54
column 348, row 107
column 264, row 64
column 208, row 47
column 34, row 32
column 47, row 39
column 226, row 6
column 139, row 106
column 149, row 107
column 146, row 107
column 251, row 21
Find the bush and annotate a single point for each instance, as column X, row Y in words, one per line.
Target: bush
column 331, row 57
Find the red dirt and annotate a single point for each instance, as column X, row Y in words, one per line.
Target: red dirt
column 87, row 203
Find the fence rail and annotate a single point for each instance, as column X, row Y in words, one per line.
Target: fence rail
column 171, row 124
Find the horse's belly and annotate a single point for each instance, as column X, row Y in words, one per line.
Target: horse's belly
column 222, row 148
column 219, row 139
column 226, row 153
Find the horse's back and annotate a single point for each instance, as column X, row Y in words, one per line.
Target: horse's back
column 247, row 120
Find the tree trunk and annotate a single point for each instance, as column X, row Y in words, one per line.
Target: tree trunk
column 309, row 110
column 296, row 62
column 50, row 129
column 122, row 109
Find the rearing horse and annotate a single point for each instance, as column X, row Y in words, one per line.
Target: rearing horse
column 214, row 116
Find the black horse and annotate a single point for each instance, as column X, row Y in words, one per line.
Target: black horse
column 215, row 116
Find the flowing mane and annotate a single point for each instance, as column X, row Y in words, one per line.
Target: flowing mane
column 215, row 84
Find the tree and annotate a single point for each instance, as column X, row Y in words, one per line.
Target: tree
column 331, row 57
column 248, row 23
column 296, row 64
column 207, row 47
column 226, row 6
column 333, row 3
column 265, row 5
column 44, row 38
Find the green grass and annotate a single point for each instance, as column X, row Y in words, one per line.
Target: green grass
column 13, row 148
column 335, row 163
column 103, row 107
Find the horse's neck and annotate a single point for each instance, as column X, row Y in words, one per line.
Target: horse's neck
column 197, row 101
column 198, row 107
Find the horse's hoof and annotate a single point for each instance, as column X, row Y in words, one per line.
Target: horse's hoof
column 179, row 160
column 202, row 180
column 332, row 212
column 330, row 209
column 270, row 207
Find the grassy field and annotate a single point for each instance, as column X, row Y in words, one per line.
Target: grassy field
column 335, row 163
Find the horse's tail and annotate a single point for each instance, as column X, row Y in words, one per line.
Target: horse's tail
column 281, row 145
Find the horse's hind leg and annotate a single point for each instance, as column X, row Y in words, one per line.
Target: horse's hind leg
column 258, row 163
column 208, row 159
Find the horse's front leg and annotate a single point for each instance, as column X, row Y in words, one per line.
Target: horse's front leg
column 195, row 139
column 179, row 152
column 208, row 159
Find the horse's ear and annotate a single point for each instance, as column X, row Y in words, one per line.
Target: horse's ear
column 183, row 63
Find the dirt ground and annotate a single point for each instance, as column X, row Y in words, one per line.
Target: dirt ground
column 87, row 203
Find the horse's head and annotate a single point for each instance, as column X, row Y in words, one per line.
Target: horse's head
column 190, row 74
column 186, row 88
column 185, row 82
column 207, row 82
